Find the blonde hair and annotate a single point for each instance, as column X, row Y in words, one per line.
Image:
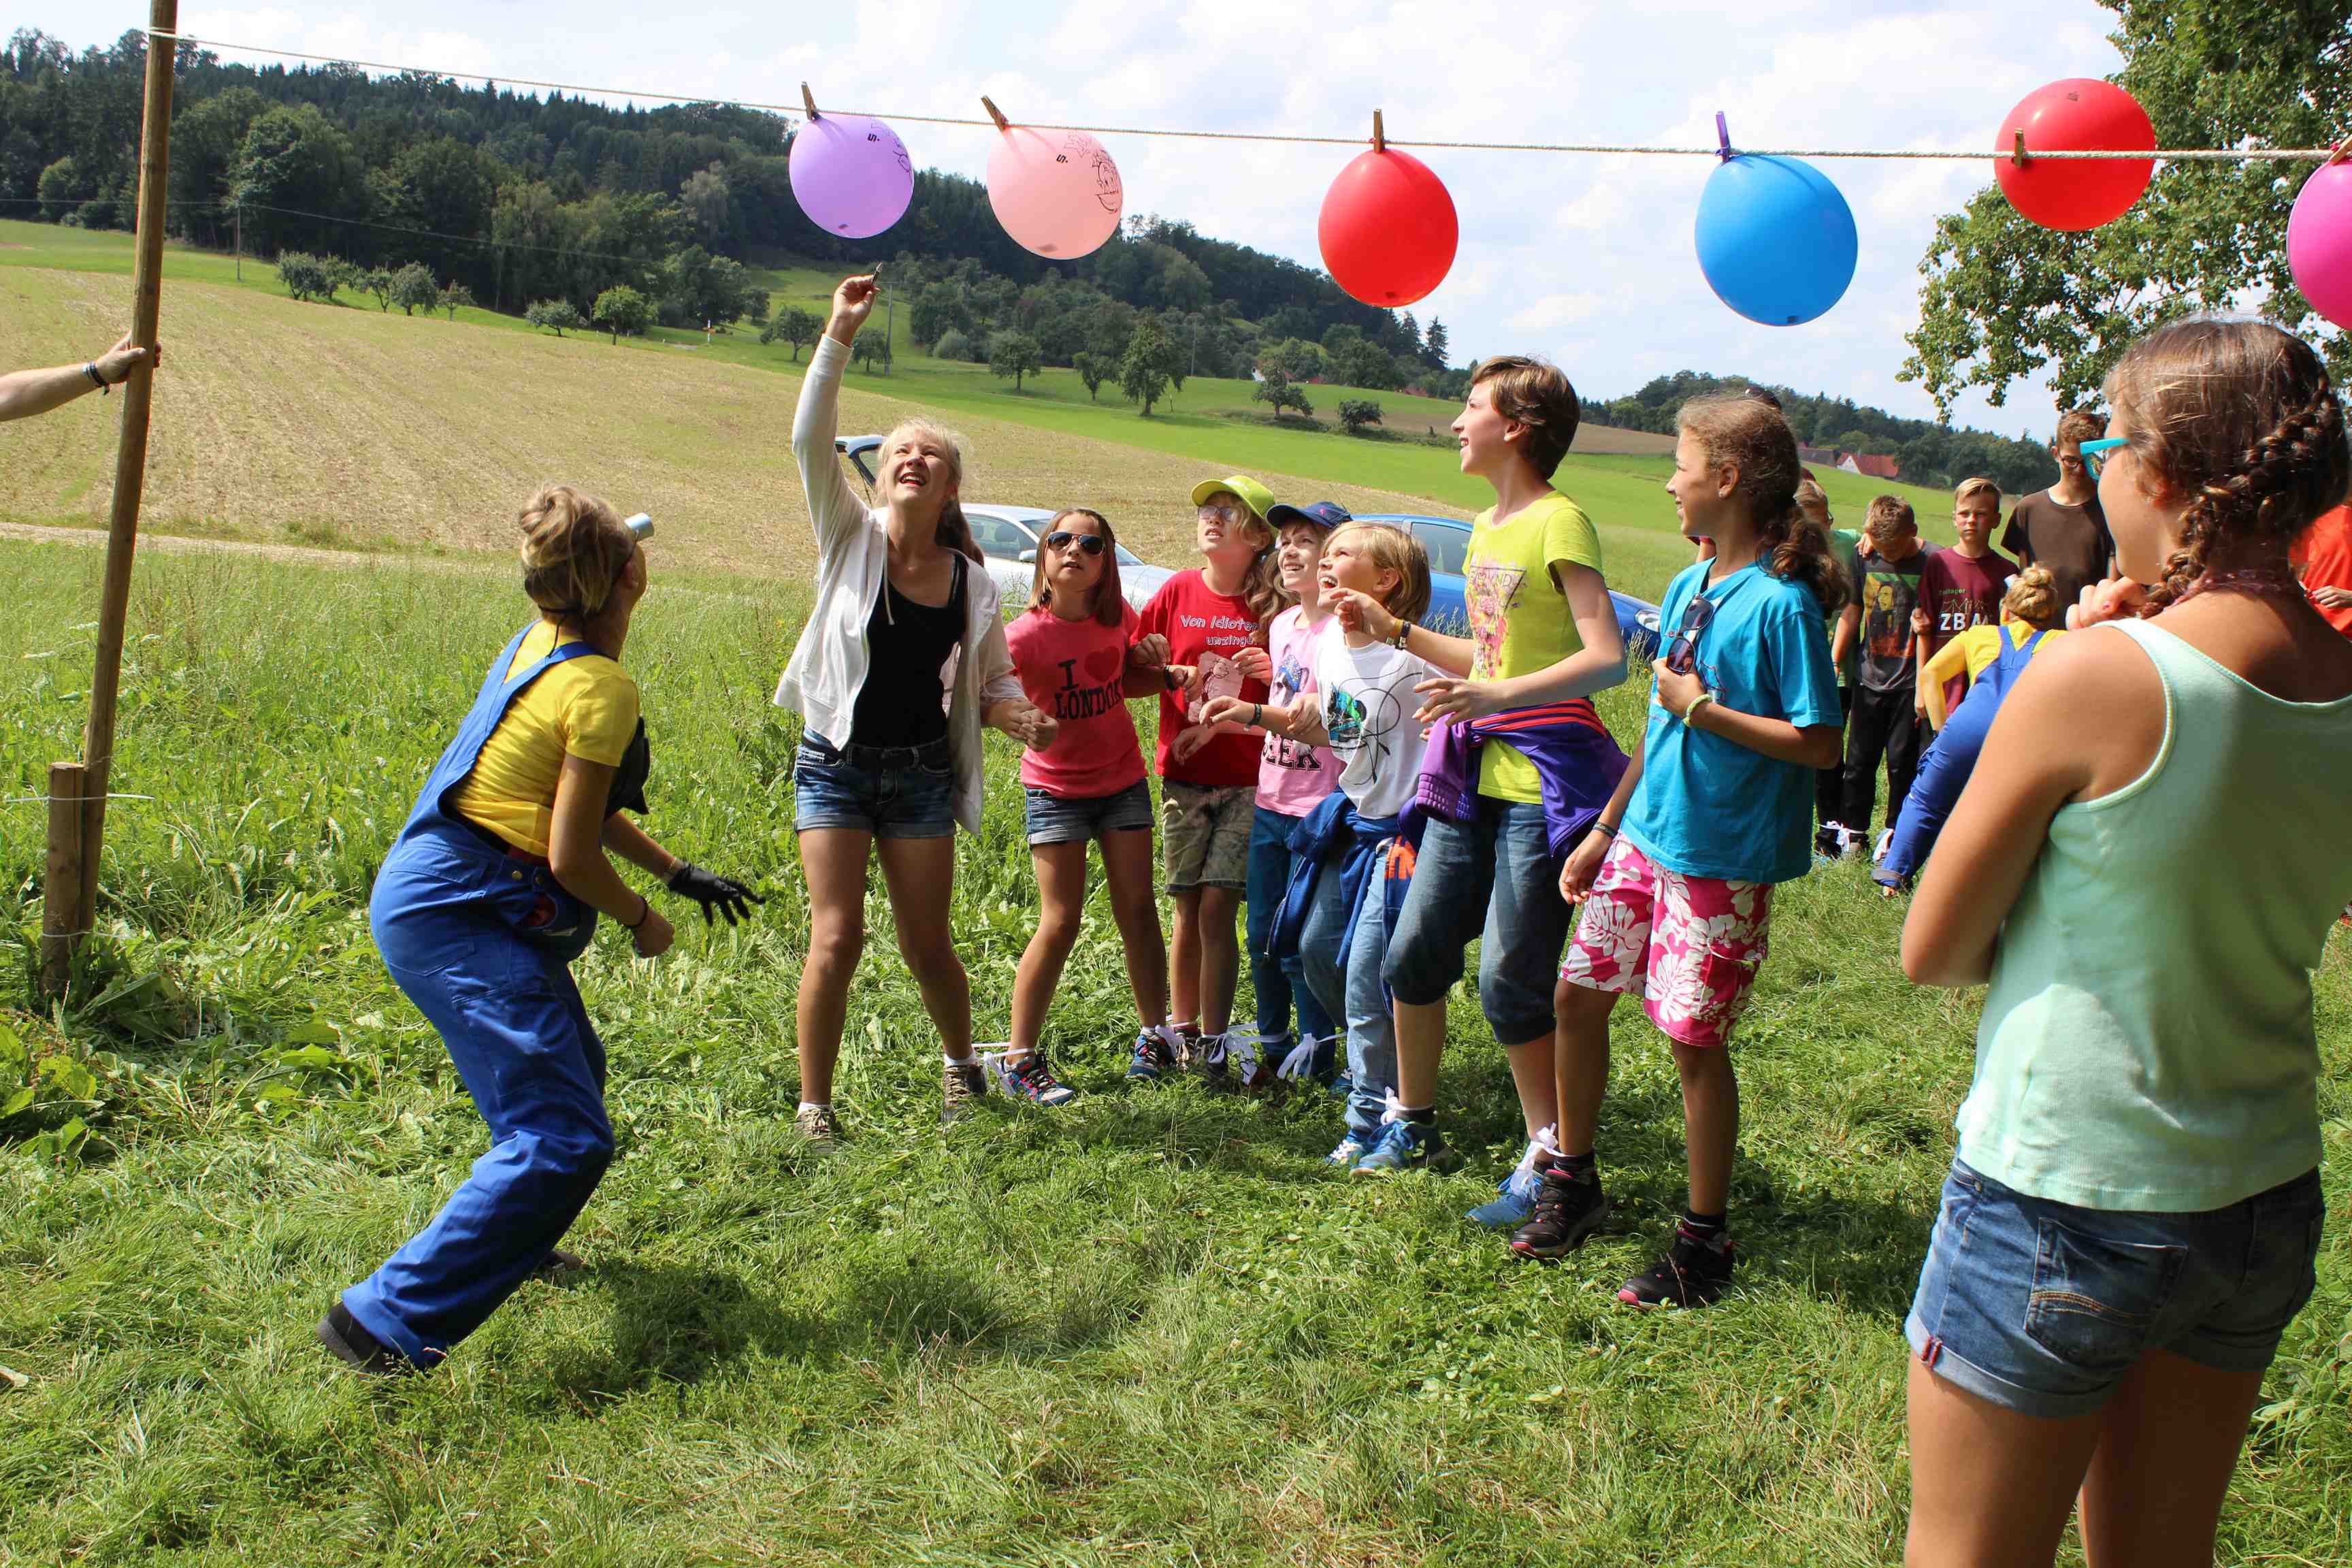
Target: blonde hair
column 1393, row 550
column 575, row 552
column 1977, row 486
column 1109, row 606
column 1750, row 436
column 954, row 532
column 1889, row 516
column 2238, row 420
column 1262, row 585
column 2032, row 598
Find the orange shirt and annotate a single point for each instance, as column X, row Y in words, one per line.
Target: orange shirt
column 2325, row 554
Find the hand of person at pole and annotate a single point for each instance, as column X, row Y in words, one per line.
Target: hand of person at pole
column 25, row 393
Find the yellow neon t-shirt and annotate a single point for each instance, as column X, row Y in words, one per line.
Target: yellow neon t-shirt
column 1972, row 652
column 1519, row 618
column 585, row 707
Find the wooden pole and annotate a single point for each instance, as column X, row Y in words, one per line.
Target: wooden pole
column 131, row 455
column 61, row 920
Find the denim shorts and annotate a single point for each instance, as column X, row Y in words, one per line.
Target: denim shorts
column 1055, row 819
column 2041, row 1307
column 1494, row 878
column 909, row 795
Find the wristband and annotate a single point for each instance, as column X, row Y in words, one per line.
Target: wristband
column 644, row 913
column 1167, row 678
column 1605, row 829
column 1690, row 714
column 1403, row 636
column 1257, row 715
column 95, row 380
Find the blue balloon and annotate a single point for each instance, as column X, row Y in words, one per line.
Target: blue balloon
column 1775, row 238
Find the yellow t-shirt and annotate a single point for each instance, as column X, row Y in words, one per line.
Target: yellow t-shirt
column 1519, row 618
column 586, row 706
column 1972, row 651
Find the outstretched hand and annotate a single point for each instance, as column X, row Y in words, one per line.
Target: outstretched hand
column 853, row 301
column 717, row 895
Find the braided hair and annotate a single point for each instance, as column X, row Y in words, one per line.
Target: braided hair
column 2241, row 418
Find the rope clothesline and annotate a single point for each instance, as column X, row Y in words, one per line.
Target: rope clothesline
column 2177, row 154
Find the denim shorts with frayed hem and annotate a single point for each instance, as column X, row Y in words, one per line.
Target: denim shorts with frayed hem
column 917, row 801
column 2042, row 1308
column 1059, row 819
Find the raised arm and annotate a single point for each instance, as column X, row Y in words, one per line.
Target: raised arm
column 834, row 504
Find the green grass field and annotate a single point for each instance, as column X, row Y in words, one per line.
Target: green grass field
column 1147, row 1330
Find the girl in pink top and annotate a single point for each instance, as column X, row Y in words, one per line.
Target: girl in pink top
column 1072, row 653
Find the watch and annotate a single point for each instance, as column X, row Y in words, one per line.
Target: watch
column 1403, row 636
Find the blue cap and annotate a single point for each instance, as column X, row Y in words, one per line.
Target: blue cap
column 1323, row 514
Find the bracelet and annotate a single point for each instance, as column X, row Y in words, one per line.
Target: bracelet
column 1257, row 715
column 1605, row 829
column 1690, row 714
column 1167, row 678
column 644, row 913
column 1403, row 636
column 95, row 380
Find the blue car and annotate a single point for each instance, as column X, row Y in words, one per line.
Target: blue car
column 1448, row 542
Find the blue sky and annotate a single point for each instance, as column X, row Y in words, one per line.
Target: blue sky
column 1587, row 259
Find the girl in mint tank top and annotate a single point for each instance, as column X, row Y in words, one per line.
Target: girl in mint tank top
column 2146, row 866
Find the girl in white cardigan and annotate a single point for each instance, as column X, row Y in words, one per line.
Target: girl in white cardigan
column 902, row 661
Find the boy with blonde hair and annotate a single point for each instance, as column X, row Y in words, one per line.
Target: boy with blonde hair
column 1961, row 587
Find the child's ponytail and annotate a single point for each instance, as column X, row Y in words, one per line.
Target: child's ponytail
column 1750, row 436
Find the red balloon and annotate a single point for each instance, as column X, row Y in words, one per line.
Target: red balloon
column 2080, row 115
column 1388, row 228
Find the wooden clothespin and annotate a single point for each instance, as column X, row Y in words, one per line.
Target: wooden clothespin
column 1722, row 137
column 995, row 114
column 1379, row 134
column 2338, row 153
column 2016, row 154
column 809, row 102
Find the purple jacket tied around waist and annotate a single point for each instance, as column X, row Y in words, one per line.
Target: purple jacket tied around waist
column 1578, row 760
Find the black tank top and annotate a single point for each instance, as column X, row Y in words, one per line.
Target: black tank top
column 903, row 699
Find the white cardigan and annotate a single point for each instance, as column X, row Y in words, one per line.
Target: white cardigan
column 829, row 663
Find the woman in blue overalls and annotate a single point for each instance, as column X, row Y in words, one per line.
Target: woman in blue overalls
column 490, row 891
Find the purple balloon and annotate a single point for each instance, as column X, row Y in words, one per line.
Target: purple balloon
column 851, row 174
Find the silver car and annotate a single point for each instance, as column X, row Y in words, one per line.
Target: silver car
column 1009, row 536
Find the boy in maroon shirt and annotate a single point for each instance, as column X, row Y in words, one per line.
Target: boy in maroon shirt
column 1961, row 587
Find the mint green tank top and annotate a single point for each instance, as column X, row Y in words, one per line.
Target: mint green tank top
column 2146, row 1043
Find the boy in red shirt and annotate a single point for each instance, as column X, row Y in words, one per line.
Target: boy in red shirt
column 1961, row 587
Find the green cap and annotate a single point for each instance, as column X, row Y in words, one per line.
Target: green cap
column 1255, row 496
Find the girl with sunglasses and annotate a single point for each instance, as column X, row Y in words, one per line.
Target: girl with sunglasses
column 1677, row 875
column 1071, row 652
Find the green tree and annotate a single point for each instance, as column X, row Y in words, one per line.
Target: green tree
column 1280, row 392
column 953, row 344
column 1296, row 358
column 453, row 298
column 1015, row 355
column 376, row 280
column 2005, row 299
column 1355, row 413
column 1094, row 369
column 412, row 286
column 1144, row 368
column 869, row 348
column 306, row 277
column 555, row 315
column 297, row 171
column 1435, row 347
column 796, row 325
column 622, row 309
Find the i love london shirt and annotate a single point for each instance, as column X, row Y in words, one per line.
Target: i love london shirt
column 1074, row 670
column 1196, row 620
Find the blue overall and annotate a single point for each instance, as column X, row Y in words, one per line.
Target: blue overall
column 482, row 941
column 1949, row 759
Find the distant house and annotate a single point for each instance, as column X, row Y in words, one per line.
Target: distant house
column 1827, row 456
column 1870, row 466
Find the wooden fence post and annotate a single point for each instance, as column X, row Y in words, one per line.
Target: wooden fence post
column 62, row 922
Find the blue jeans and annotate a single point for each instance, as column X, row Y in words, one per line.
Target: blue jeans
column 1493, row 878
column 2043, row 1307
column 450, row 916
column 912, row 801
column 1276, row 984
column 1372, row 1025
column 1319, row 975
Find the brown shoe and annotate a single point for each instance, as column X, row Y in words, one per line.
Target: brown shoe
column 818, row 1125
column 960, row 1088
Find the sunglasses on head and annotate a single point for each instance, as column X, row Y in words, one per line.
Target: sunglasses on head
column 1062, row 539
column 1681, row 654
column 2094, row 451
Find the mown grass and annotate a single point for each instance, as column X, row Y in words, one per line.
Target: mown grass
column 1147, row 1330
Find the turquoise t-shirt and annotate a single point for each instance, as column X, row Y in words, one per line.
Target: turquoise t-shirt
column 1710, row 807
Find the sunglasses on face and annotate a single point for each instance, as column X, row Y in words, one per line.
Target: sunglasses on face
column 2094, row 452
column 1062, row 539
column 1681, row 654
column 1221, row 513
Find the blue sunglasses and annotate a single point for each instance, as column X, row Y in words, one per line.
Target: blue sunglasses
column 2094, row 451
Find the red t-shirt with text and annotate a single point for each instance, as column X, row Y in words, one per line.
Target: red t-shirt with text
column 1197, row 620
column 1076, row 671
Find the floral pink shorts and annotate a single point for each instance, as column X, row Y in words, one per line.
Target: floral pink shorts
column 1690, row 945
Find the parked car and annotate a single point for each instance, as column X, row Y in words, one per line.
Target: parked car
column 1008, row 536
column 1448, row 543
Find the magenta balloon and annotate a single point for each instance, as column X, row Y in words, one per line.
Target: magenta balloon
column 2319, row 242
column 1055, row 191
column 851, row 174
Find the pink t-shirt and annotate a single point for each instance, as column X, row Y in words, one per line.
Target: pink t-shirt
column 1075, row 670
column 1293, row 779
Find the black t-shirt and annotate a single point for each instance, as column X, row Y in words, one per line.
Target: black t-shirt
column 2072, row 540
column 1887, row 592
column 903, row 699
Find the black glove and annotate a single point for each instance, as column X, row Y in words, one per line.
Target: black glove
column 723, row 895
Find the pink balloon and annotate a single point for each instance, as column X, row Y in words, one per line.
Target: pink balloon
column 851, row 174
column 1055, row 191
column 2319, row 242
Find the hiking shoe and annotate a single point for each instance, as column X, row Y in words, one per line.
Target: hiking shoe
column 1210, row 1062
column 1033, row 1081
column 1567, row 1212
column 559, row 1265
column 1693, row 1273
column 1514, row 1202
column 962, row 1085
column 818, row 1124
column 1151, row 1055
column 350, row 1343
column 1352, row 1148
column 1407, row 1146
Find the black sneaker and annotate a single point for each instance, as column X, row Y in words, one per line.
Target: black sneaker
column 1568, row 1211
column 1693, row 1273
column 349, row 1341
column 962, row 1085
column 1211, row 1064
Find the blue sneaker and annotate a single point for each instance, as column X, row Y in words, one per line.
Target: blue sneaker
column 1352, row 1148
column 1151, row 1055
column 1033, row 1081
column 1408, row 1146
column 1514, row 1201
